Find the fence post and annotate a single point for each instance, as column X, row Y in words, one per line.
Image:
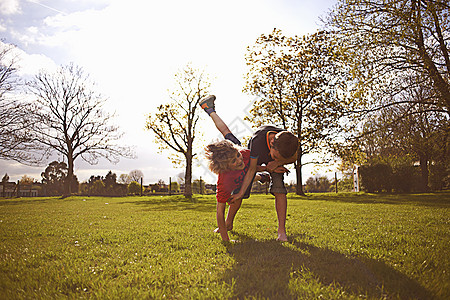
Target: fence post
column 170, row 186
column 335, row 181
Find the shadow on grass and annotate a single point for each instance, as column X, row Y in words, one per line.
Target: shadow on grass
column 264, row 269
column 19, row 201
column 200, row 203
column 438, row 199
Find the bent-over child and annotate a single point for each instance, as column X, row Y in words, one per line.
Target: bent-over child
column 227, row 159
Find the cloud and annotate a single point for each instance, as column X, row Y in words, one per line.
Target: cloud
column 9, row 7
column 133, row 48
column 30, row 64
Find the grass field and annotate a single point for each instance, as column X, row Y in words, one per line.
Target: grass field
column 341, row 246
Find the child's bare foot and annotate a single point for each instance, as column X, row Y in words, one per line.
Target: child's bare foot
column 282, row 237
column 229, row 228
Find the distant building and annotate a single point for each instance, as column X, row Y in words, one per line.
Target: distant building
column 12, row 189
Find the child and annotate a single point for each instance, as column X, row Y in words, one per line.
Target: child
column 231, row 163
column 270, row 149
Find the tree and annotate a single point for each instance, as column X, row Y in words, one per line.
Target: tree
column 95, row 185
column 134, row 188
column 300, row 84
column 5, row 180
column 318, row 184
column 401, row 135
column 70, row 120
column 110, row 181
column 55, row 178
column 174, row 187
column 16, row 140
column 174, row 124
column 135, row 175
column 26, row 180
column 198, row 186
column 386, row 41
column 124, row 179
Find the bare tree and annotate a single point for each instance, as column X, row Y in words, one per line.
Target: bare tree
column 70, row 119
column 136, row 175
column 16, row 140
column 174, row 123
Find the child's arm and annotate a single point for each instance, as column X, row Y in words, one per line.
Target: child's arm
column 273, row 165
column 220, row 214
column 247, row 179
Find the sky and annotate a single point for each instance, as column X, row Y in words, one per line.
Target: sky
column 133, row 48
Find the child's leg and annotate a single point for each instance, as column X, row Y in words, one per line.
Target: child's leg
column 278, row 189
column 220, row 124
column 207, row 104
column 220, row 215
column 232, row 210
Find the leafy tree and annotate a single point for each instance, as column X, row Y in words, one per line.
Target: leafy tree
column 69, row 118
column 134, row 188
column 300, row 84
column 174, row 186
column 111, row 185
column 198, row 186
column 110, row 180
column 5, row 180
column 174, row 123
column 124, row 179
column 404, row 134
column 26, row 180
column 154, row 187
column 55, row 178
column 388, row 41
column 16, row 140
column 318, row 184
column 376, row 178
column 97, row 187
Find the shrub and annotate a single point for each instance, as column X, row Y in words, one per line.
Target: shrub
column 134, row 188
column 376, row 178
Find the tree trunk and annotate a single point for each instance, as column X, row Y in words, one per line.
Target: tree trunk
column 188, row 176
column 424, row 173
column 69, row 175
column 298, row 171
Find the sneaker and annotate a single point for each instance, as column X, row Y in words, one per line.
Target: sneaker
column 207, row 103
column 265, row 177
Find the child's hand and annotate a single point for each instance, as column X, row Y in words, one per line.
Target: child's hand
column 281, row 169
column 231, row 200
column 272, row 166
column 235, row 198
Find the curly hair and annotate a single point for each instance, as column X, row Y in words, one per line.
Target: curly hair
column 219, row 155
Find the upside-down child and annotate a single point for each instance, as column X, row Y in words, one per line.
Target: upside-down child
column 227, row 159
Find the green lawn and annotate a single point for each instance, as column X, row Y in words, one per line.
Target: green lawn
column 341, row 246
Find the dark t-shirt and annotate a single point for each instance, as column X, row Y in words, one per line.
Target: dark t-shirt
column 259, row 146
